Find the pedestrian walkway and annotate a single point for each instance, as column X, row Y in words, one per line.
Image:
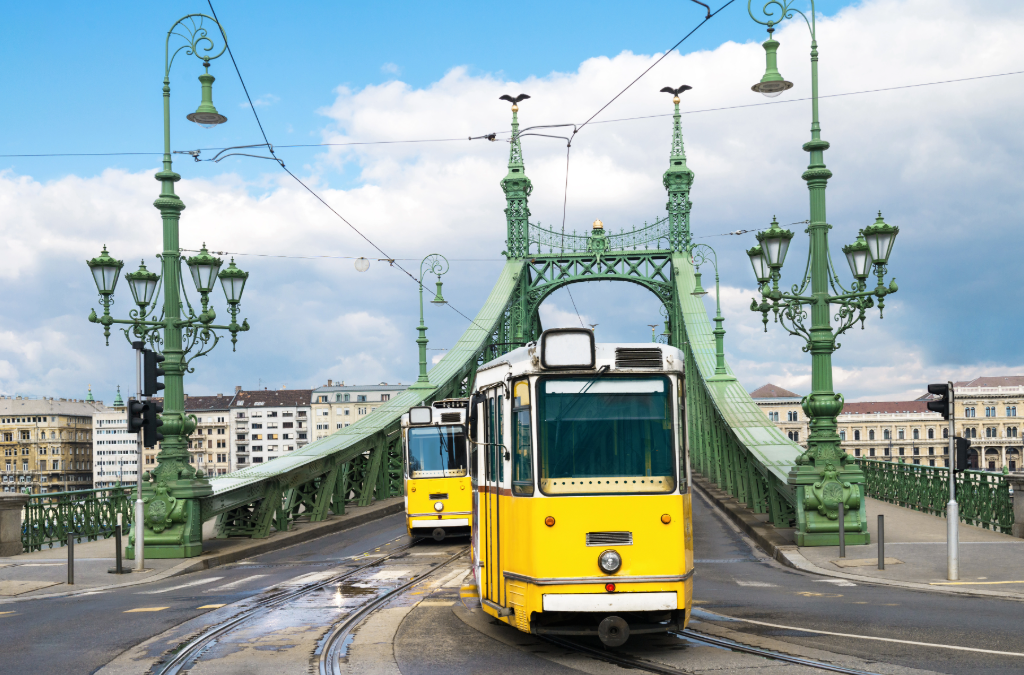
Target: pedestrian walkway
column 915, row 550
column 45, row 572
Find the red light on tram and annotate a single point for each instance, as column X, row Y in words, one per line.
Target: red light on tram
column 610, row 588
column 549, row 521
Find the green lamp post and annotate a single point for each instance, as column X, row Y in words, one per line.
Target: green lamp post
column 170, row 520
column 700, row 254
column 824, row 475
column 435, row 264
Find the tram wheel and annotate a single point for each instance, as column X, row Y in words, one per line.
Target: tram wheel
column 438, row 534
column 613, row 631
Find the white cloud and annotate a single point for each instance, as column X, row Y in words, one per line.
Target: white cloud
column 390, row 68
column 942, row 162
column 261, row 101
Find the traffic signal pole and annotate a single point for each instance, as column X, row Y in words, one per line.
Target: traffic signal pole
column 140, row 507
column 952, row 509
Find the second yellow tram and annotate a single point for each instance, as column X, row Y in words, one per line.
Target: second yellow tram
column 438, row 492
column 582, row 511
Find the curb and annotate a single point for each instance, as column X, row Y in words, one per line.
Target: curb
column 789, row 554
column 273, row 543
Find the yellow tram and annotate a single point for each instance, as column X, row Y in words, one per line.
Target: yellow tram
column 438, row 492
column 581, row 485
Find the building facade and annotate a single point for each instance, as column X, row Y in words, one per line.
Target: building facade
column 115, row 452
column 986, row 412
column 47, row 444
column 209, row 445
column 335, row 407
column 267, row 424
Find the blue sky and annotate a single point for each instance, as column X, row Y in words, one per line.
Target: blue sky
column 941, row 162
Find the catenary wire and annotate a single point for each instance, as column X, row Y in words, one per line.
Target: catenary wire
column 392, row 261
column 611, row 121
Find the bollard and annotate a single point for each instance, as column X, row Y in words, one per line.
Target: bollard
column 71, row 559
column 117, row 543
column 842, row 531
column 881, row 541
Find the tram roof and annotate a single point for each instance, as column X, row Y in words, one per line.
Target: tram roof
column 615, row 355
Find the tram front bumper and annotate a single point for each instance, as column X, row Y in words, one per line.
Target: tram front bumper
column 609, row 602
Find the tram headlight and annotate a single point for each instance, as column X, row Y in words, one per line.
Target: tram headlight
column 609, row 561
column 438, row 506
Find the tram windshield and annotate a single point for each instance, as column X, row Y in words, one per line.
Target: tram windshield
column 437, row 451
column 605, row 435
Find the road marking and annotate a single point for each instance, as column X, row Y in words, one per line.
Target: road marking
column 233, row 584
column 758, row 584
column 972, row 583
column 2, row 613
column 812, row 594
column 389, row 574
column 145, row 609
column 871, row 637
column 211, row 606
column 188, row 585
column 835, row 582
column 435, row 603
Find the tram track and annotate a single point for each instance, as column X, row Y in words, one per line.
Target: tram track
column 329, row 661
column 629, row 661
column 193, row 649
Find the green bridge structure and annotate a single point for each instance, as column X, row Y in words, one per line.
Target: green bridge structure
column 732, row 442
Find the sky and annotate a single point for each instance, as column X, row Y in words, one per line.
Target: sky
column 943, row 163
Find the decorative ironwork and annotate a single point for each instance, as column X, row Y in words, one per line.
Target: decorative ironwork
column 984, row 497
column 653, row 236
column 86, row 514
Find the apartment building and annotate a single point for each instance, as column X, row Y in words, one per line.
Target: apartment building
column 986, row 412
column 336, row 406
column 266, row 424
column 115, row 452
column 47, row 443
column 209, row 444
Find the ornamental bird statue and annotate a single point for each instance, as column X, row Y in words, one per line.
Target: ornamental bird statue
column 514, row 101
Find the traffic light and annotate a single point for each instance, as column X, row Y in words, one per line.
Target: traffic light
column 152, row 422
column 962, row 447
column 135, row 416
column 940, row 406
column 150, row 372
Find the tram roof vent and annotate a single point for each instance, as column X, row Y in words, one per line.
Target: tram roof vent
column 609, row 538
column 637, row 357
column 447, row 417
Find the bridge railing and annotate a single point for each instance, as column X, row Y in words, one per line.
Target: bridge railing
column 361, row 462
column 86, row 514
column 984, row 498
column 732, row 442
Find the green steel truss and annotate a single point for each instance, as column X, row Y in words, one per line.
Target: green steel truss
column 732, row 442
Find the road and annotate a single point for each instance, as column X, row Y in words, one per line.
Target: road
column 80, row 634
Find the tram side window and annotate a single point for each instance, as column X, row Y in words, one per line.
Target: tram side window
column 498, row 450
column 489, row 439
column 683, row 463
column 522, row 455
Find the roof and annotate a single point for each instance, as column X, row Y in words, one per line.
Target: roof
column 866, row 407
column 218, row 402
column 997, row 381
column 49, row 406
column 772, row 391
column 276, row 398
column 366, row 387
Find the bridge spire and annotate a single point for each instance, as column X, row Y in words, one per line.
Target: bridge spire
column 678, row 180
column 517, row 188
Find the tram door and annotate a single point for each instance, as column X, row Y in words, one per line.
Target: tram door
column 492, row 479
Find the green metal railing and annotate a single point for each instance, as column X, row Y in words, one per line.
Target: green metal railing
column 85, row 514
column 984, row 497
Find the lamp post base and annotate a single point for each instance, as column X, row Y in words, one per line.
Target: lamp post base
column 173, row 520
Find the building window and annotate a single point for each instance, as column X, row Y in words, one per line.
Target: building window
column 856, row 452
column 917, row 461
column 26, row 436
column 885, row 451
column 321, row 399
column 945, row 432
column 1011, row 432
column 917, row 434
column 257, row 460
column 348, row 397
column 842, row 435
column 856, row 435
column 360, row 398
column 901, row 452
column 931, row 433
column 899, row 435
column 361, row 411
column 383, row 397
column 886, row 435
column 1011, row 411
column 917, row 451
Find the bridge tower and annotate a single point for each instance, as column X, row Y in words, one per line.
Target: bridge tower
column 517, row 188
column 677, row 180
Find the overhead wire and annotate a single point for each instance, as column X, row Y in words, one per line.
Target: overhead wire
column 392, row 261
column 493, row 135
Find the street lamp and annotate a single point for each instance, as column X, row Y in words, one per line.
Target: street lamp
column 699, row 254
column 824, row 475
column 436, row 264
column 174, row 483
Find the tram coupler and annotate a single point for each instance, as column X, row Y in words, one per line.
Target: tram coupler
column 438, row 534
column 613, row 631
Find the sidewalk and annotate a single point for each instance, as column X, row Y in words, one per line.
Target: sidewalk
column 991, row 564
column 45, row 574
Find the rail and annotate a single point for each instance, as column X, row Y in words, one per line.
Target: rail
column 984, row 498
column 86, row 514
